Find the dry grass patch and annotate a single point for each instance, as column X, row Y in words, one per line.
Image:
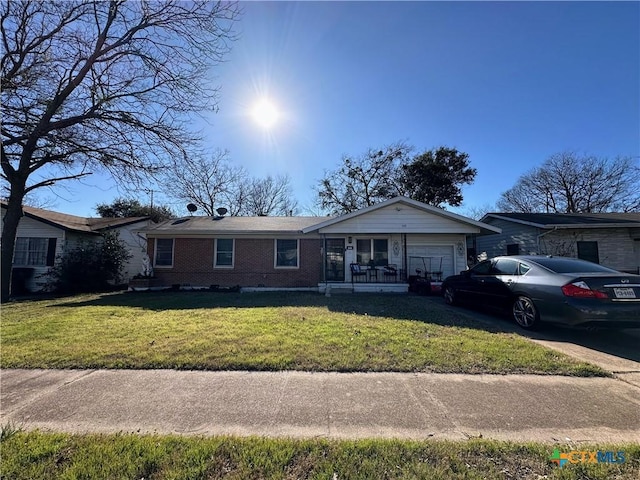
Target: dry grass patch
column 38, row 455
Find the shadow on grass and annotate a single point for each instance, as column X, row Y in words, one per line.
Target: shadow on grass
column 387, row 305
column 619, row 343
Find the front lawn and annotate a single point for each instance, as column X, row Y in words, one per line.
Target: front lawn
column 265, row 331
column 37, row 455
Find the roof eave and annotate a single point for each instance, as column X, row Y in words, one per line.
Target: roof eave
column 132, row 221
column 514, row 220
column 551, row 226
column 184, row 232
column 592, row 225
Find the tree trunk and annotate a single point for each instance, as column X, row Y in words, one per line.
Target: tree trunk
column 9, row 231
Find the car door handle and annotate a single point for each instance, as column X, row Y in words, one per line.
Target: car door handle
column 509, row 281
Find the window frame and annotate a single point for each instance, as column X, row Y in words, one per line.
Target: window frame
column 155, row 253
column 372, row 251
column 30, row 252
column 275, row 254
column 523, row 268
column 215, row 253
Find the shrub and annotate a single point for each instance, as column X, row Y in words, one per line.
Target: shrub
column 90, row 266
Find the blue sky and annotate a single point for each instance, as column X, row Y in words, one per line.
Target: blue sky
column 509, row 83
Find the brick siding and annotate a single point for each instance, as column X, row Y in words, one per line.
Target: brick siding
column 253, row 265
column 615, row 246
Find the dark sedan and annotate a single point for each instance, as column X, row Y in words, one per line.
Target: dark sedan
column 549, row 289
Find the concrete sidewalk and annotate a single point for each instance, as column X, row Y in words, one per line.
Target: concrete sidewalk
column 327, row 405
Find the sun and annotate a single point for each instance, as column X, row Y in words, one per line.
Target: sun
column 265, row 113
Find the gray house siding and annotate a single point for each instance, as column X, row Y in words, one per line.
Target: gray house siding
column 617, row 248
column 525, row 236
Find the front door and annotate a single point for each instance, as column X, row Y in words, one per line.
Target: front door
column 334, row 260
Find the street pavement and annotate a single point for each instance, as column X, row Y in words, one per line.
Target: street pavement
column 323, row 405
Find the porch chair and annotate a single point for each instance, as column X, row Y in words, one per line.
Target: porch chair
column 391, row 271
column 357, row 271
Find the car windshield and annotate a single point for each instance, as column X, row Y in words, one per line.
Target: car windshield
column 570, row 265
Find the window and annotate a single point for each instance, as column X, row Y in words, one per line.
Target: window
column 483, row 268
column 286, row 253
column 504, row 266
column 513, row 249
column 523, row 269
column 379, row 247
column 31, row 251
column 363, row 247
column 588, row 251
column 224, row 253
column 164, row 252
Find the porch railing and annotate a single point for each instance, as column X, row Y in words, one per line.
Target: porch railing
column 373, row 275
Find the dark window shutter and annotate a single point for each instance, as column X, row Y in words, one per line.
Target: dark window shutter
column 51, row 252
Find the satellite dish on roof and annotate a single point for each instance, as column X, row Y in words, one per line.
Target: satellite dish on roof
column 191, row 207
column 221, row 211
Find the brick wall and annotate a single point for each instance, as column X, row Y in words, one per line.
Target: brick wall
column 253, row 266
column 616, row 247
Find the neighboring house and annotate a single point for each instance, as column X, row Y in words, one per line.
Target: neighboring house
column 42, row 236
column 611, row 239
column 311, row 252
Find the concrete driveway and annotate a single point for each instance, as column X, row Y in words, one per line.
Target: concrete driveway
column 617, row 351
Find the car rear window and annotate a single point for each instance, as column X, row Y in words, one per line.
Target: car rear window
column 570, row 265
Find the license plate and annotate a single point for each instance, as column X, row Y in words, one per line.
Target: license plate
column 624, row 293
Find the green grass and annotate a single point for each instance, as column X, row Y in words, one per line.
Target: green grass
column 270, row 331
column 38, row 455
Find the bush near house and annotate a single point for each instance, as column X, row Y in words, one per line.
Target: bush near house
column 90, row 266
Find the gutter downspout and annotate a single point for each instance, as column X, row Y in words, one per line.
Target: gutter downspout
column 542, row 235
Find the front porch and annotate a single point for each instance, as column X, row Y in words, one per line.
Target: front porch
column 329, row 288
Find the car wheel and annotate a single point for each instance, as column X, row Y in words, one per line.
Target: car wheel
column 449, row 295
column 525, row 313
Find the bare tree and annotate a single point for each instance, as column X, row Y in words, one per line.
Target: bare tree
column 569, row 183
column 477, row 211
column 271, row 196
column 213, row 181
column 209, row 182
column 363, row 181
column 92, row 85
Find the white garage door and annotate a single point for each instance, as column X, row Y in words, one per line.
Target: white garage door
column 436, row 252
